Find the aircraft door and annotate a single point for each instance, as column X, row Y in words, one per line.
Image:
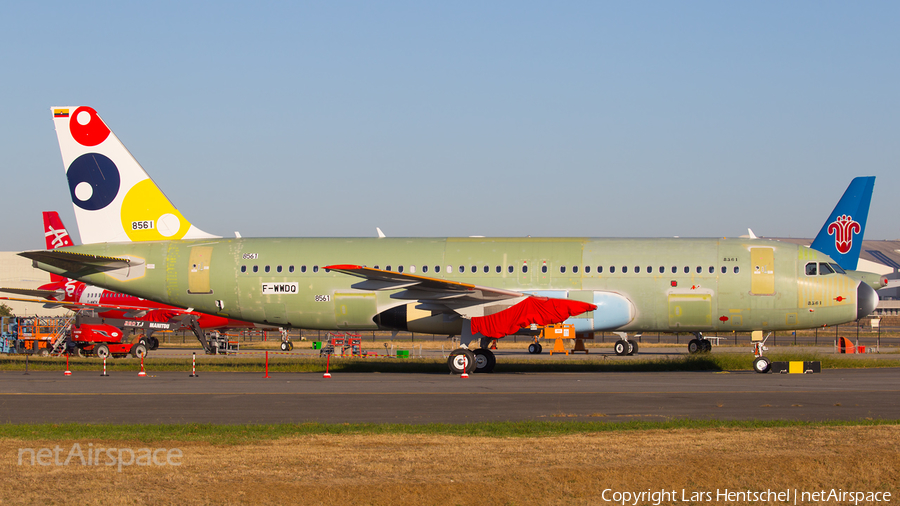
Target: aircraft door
column 354, row 310
column 690, row 310
column 198, row 272
column 762, row 271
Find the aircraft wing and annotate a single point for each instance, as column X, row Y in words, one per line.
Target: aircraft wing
column 517, row 310
column 73, row 262
column 423, row 288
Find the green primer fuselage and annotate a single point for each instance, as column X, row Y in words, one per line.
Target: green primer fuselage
column 672, row 284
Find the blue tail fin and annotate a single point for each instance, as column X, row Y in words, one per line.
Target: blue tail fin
column 842, row 235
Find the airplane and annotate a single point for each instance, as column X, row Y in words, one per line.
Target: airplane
column 137, row 242
column 137, row 313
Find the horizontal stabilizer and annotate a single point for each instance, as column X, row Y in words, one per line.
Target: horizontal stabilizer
column 75, row 306
column 74, row 262
column 43, row 294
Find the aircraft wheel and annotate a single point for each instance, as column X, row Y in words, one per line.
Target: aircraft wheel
column 284, row 346
column 694, row 346
column 484, row 360
column 290, row 345
column 705, row 346
column 621, row 347
column 762, row 365
column 79, row 351
column 101, row 351
column 533, row 348
column 44, row 352
column 634, row 347
column 139, row 351
column 540, row 348
column 154, row 344
column 460, row 359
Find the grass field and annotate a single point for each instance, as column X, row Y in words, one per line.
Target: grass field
column 710, row 362
column 509, row 464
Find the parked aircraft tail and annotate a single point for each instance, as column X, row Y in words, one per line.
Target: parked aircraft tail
column 842, row 234
column 114, row 198
column 55, row 236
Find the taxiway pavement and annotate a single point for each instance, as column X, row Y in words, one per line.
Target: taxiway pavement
column 232, row 398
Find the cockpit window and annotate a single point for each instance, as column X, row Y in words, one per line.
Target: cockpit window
column 837, row 268
column 825, row 269
column 811, row 269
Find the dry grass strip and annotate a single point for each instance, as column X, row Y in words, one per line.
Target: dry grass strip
column 402, row 470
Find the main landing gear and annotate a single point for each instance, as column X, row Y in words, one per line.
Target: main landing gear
column 625, row 346
column 699, row 344
column 463, row 359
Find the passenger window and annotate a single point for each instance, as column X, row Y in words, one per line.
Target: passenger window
column 637, row 269
column 724, row 269
column 524, row 268
column 437, row 269
column 498, row 269
column 624, row 269
column 486, row 269
column 662, row 269
column 412, row 269
column 474, row 269
column 811, row 269
column 575, row 269
column 649, row 269
column 255, row 268
column 291, row 268
column 424, row 269
column 449, row 269
column 267, row 268
column 562, row 269
column 510, row 269
column 825, row 269
column 737, row 269
column 587, row 269
column 243, row 268
column 612, row 269
column 599, row 269
column 544, row 268
column 278, row 269
column 687, row 269
column 303, row 268
column 315, row 268
column 387, row 268
column 400, row 269
column 462, row 268
column 674, row 269
column 712, row 269
column 699, row 269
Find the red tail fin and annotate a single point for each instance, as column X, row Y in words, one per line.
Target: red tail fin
column 56, row 236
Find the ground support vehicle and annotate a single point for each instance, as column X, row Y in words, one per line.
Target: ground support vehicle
column 35, row 335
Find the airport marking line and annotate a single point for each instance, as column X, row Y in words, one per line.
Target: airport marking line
column 10, row 394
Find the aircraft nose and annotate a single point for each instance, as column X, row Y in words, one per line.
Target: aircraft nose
column 866, row 300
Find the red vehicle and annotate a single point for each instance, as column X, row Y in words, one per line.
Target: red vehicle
column 104, row 340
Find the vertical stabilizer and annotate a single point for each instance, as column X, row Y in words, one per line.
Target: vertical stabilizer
column 114, row 198
column 55, row 236
column 842, row 235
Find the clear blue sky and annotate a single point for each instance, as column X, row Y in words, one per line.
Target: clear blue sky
column 465, row 118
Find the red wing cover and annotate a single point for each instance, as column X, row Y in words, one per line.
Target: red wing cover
column 538, row 310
